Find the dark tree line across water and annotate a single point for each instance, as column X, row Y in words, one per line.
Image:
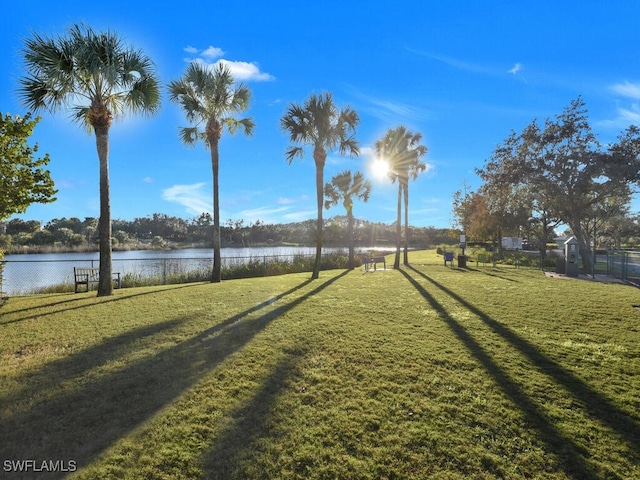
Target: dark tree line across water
column 164, row 231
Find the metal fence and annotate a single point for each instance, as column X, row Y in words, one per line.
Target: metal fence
column 624, row 264
column 23, row 277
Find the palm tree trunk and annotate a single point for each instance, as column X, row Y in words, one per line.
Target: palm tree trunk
column 406, row 223
column 350, row 238
column 396, row 263
column 105, row 286
column 319, row 224
column 216, row 275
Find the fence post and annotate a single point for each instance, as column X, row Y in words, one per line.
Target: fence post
column 164, row 271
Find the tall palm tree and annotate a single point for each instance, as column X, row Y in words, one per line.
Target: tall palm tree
column 210, row 99
column 101, row 80
column 402, row 150
column 319, row 124
column 346, row 187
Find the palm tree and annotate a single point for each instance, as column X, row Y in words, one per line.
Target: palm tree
column 102, row 80
column 402, row 150
column 344, row 186
column 319, row 124
column 210, row 98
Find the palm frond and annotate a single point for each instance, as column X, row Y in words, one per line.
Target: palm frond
column 292, row 152
column 346, row 186
column 86, row 68
column 190, row 135
column 319, row 123
column 208, row 95
column 234, row 125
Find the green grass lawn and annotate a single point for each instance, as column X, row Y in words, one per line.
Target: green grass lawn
column 426, row 372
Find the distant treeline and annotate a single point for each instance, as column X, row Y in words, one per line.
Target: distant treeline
column 164, row 231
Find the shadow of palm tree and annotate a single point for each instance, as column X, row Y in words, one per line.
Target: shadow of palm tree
column 571, row 460
column 85, row 418
column 595, row 404
column 46, row 309
column 491, row 274
column 238, row 443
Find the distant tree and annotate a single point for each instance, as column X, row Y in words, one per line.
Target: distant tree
column 210, row 99
column 74, row 224
column 16, row 226
column 471, row 210
column 608, row 219
column 103, row 80
column 42, row 237
column 346, row 187
column 23, row 178
column 319, row 124
column 402, row 150
column 200, row 228
column 565, row 163
column 518, row 208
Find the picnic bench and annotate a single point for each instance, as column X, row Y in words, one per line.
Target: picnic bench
column 370, row 262
column 88, row 276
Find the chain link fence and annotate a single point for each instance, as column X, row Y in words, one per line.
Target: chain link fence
column 624, row 265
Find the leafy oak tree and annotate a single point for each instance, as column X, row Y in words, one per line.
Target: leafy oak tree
column 23, row 178
column 571, row 173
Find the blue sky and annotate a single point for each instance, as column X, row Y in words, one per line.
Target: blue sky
column 463, row 73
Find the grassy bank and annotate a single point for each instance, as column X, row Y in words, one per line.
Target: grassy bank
column 427, row 372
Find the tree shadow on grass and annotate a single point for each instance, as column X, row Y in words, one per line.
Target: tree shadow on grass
column 572, row 462
column 237, row 443
column 493, row 274
column 69, row 304
column 85, row 417
column 594, row 402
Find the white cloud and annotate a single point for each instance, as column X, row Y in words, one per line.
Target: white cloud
column 212, row 52
column 516, row 68
column 390, row 110
column 627, row 89
column 286, row 201
column 242, row 71
column 147, row 180
column 191, row 197
column 246, row 71
column 630, row 116
column 367, row 152
column 300, row 215
column 454, row 62
column 628, row 112
column 264, row 214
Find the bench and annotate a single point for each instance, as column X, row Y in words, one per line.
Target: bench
column 448, row 257
column 482, row 258
column 88, row 276
column 373, row 261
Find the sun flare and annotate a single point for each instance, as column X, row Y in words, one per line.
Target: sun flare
column 380, row 168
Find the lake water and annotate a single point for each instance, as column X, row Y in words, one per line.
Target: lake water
column 26, row 273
